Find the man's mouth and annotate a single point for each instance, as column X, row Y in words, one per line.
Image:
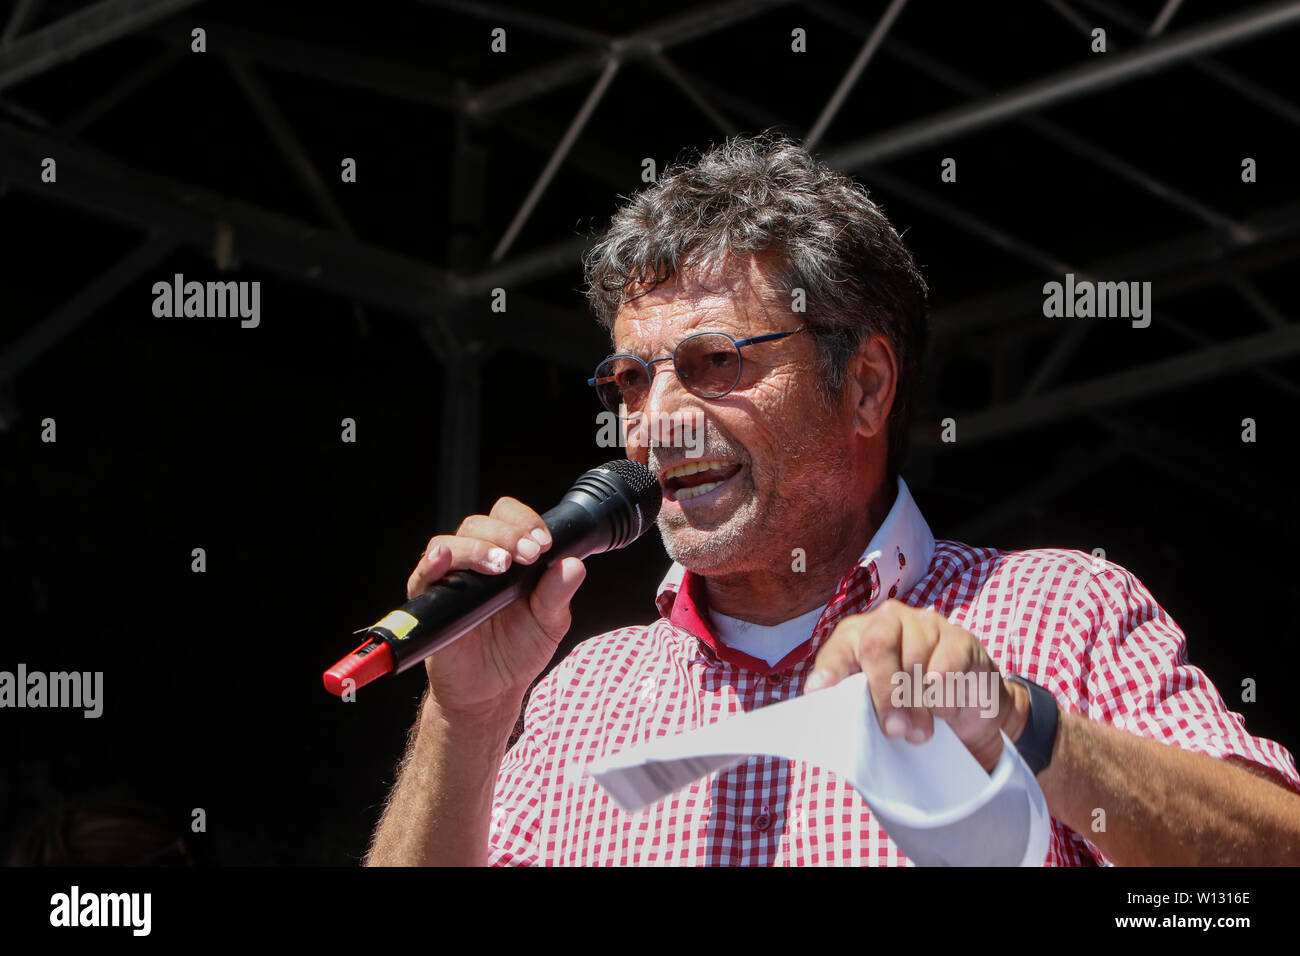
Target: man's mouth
column 695, row 478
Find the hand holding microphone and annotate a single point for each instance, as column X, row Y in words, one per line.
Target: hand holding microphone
column 489, row 604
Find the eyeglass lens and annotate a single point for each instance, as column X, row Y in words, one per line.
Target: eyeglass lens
column 707, row 364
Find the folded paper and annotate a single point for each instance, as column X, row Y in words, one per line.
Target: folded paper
column 935, row 801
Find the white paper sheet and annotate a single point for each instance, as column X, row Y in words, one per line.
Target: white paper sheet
column 934, row 800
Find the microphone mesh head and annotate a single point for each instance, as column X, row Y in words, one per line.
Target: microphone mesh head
column 642, row 483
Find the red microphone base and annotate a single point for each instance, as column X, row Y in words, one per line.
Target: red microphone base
column 369, row 661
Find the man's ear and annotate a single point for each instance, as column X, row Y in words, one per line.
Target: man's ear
column 872, row 381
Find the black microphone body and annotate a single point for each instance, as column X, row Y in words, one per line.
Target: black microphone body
column 609, row 507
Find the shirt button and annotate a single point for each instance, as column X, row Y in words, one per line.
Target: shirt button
column 762, row 821
column 775, row 678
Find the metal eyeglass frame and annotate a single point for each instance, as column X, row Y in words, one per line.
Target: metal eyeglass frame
column 650, row 365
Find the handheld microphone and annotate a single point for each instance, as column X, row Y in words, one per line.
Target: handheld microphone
column 607, row 508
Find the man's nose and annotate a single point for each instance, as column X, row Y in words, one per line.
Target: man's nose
column 660, row 398
column 672, row 416
column 666, row 391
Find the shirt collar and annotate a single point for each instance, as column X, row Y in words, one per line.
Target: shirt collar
column 896, row 559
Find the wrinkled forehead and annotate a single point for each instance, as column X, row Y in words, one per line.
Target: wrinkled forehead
column 735, row 296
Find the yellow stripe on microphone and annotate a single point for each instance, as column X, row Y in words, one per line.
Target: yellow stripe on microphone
column 398, row 623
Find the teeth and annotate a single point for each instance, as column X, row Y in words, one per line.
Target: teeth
column 693, row 467
column 684, row 493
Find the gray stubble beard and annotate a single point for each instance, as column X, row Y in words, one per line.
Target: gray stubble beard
column 723, row 542
column 742, row 540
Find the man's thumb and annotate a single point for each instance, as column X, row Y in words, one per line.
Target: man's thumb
column 550, row 599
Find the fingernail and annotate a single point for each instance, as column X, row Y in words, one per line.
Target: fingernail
column 816, row 680
column 433, row 553
column 895, row 724
column 541, row 536
column 916, row 736
column 528, row 548
column 496, row 559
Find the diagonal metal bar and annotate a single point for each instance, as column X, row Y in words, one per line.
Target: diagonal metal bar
column 1247, row 290
column 759, row 115
column 1068, row 343
column 1184, row 456
column 694, row 23
column 287, row 143
column 117, row 94
column 1280, row 382
column 1070, row 14
column 19, row 17
column 1162, row 20
column 669, row 69
column 541, row 133
column 1076, row 467
column 952, row 78
column 93, row 181
column 1091, row 77
column 83, row 305
column 1259, row 95
column 869, row 48
column 534, row 83
column 1061, row 136
column 341, row 264
column 1205, row 363
column 79, row 33
column 1151, row 263
column 332, row 64
column 1228, row 483
column 973, row 224
column 23, row 113
column 542, row 25
column 1055, row 360
column 662, row 35
column 557, row 158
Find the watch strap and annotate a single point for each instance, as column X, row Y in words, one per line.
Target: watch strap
column 1039, row 736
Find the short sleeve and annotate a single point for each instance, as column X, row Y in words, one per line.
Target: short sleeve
column 517, row 798
column 1135, row 676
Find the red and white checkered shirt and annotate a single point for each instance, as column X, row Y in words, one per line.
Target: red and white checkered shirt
column 1086, row 629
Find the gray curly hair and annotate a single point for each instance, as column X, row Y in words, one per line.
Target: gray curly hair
column 766, row 194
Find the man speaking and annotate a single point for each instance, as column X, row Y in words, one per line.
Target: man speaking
column 763, row 295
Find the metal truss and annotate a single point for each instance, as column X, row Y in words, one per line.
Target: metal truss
column 170, row 213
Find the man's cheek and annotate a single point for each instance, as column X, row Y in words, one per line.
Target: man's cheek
column 764, row 483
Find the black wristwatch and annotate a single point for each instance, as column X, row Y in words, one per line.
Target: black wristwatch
column 1039, row 736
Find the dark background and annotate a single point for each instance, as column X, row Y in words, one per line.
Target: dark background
column 182, row 433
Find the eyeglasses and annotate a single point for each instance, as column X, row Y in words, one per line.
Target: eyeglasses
column 708, row 364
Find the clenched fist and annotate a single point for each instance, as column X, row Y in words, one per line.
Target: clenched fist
column 488, row 670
